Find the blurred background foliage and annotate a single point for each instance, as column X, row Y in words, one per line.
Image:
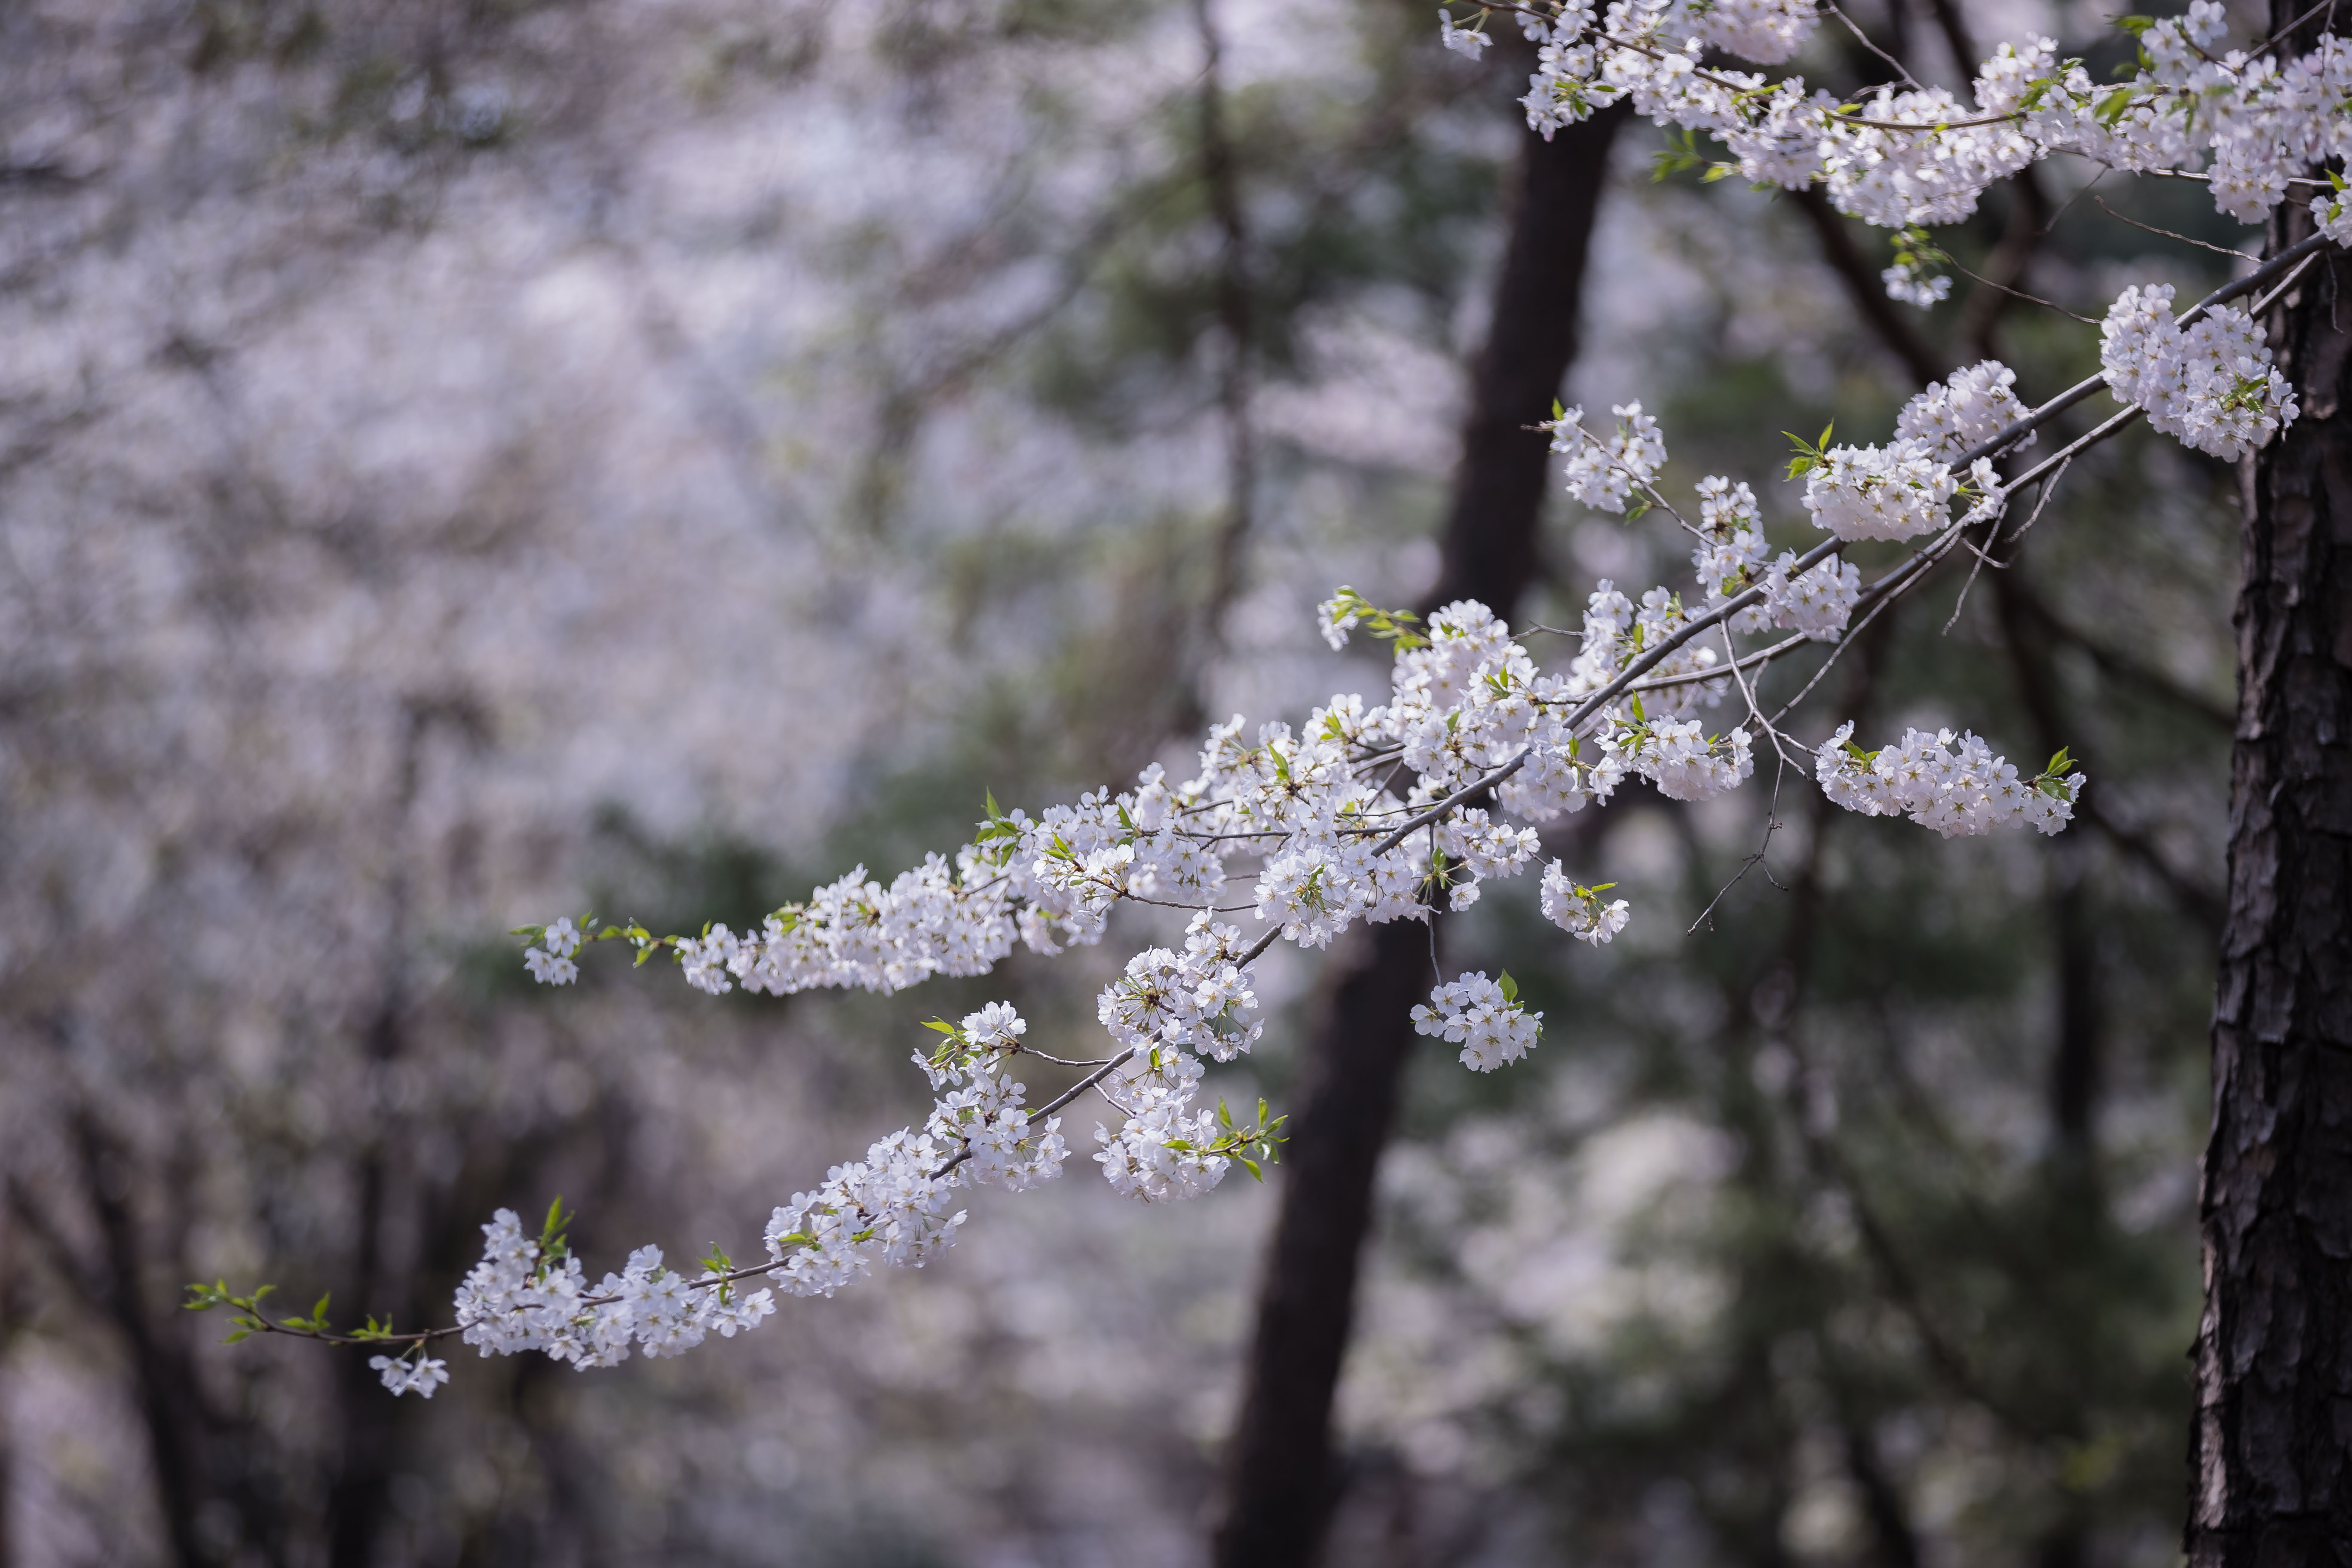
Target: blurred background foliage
column 461, row 461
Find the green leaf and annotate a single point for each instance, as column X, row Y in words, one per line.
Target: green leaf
column 1510, row 988
column 1251, row 1166
column 1680, row 153
column 1808, row 453
column 551, row 1234
column 944, row 1027
column 2134, row 24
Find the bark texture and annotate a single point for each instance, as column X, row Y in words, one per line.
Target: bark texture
column 2271, row 1444
column 1279, row 1487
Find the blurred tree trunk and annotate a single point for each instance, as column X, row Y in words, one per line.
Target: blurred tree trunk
column 2272, row 1446
column 1279, row 1487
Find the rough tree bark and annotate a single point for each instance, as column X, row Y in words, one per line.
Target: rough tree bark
column 2270, row 1447
column 1279, row 1487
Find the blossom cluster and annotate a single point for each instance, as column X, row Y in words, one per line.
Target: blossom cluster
column 532, row 1294
column 2244, row 121
column 1906, row 488
column 2210, row 385
column 1580, row 910
column 1964, row 410
column 1953, row 784
column 1617, row 632
column 550, row 960
column 1732, row 557
column 1165, row 1150
column 2331, row 213
column 1901, row 157
column 2257, row 117
column 1603, row 471
column 891, row 1208
column 1484, row 1017
column 419, row 1374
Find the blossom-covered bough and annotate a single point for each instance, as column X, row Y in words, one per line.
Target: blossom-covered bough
column 1406, row 807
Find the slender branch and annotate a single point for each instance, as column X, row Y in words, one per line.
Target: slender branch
column 1861, row 37
column 2169, row 234
column 1996, row 284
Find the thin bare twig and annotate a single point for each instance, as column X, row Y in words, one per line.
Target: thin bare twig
column 2021, row 294
column 1864, row 39
column 2049, row 488
column 2168, row 234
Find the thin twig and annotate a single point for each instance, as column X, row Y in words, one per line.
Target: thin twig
column 1771, row 826
column 1755, row 708
column 2021, row 294
column 2201, row 177
column 2276, row 40
column 1771, row 812
column 2168, row 234
column 1984, row 556
column 2043, row 232
column 1864, row 38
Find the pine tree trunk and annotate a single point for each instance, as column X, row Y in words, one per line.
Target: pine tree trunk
column 2272, row 1444
column 1279, row 1487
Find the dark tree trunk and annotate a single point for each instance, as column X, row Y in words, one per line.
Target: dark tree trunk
column 1279, row 1487
column 1489, row 550
column 2271, row 1444
column 1340, row 1116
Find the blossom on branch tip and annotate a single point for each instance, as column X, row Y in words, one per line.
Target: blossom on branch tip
column 1877, row 492
column 420, row 1376
column 1580, row 910
column 1965, row 409
column 2210, row 385
column 1467, row 41
column 1952, row 784
column 1603, row 471
column 1484, row 1017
